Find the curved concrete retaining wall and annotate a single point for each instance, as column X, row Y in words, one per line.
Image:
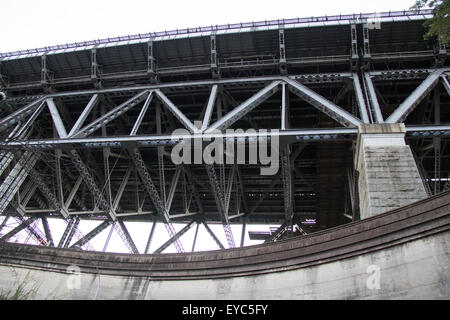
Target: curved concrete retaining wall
column 403, row 253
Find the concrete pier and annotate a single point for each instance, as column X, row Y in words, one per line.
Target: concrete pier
column 388, row 174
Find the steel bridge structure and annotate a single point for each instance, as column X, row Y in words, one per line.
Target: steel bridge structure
column 86, row 129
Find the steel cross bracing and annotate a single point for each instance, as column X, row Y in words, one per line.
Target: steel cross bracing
column 261, row 92
column 153, row 194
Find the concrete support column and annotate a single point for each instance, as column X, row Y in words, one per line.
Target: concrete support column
column 388, row 175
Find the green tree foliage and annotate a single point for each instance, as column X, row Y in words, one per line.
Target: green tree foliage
column 439, row 25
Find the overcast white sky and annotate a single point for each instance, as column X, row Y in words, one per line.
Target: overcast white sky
column 28, row 24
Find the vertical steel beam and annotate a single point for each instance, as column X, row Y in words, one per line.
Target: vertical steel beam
column 94, row 65
column 150, row 236
column 373, row 98
column 281, row 43
column 360, row 98
column 366, row 44
column 284, row 107
column 151, row 61
column 437, row 142
column 244, row 225
column 354, row 55
column 44, row 70
column 287, row 185
column 214, row 62
column 195, row 237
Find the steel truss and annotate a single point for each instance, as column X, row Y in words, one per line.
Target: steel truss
column 141, row 118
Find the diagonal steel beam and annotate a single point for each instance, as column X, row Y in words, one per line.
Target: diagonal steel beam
column 57, row 121
column 73, row 228
column 173, row 187
column 244, row 108
column 153, row 193
column 321, row 103
column 89, row 236
column 20, row 114
column 48, row 194
column 213, row 235
column 174, row 238
column 121, row 189
column 66, row 232
column 73, row 192
column 82, row 118
column 19, row 228
column 5, row 220
column 125, row 235
column 220, row 202
column 111, row 115
column 15, row 179
column 139, row 119
column 176, row 112
column 33, row 231
column 92, row 185
column 445, row 83
column 281, row 229
column 402, row 111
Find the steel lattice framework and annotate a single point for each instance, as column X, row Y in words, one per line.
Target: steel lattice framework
column 86, row 129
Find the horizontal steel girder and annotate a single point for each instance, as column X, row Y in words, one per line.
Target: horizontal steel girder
column 142, row 141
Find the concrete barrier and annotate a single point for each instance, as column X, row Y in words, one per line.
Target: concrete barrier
column 400, row 254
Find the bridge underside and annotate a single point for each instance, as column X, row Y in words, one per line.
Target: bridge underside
column 86, row 133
